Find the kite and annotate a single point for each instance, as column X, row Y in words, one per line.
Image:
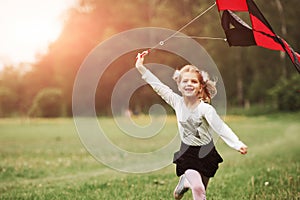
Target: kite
column 239, row 33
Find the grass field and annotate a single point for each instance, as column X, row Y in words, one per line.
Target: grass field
column 44, row 159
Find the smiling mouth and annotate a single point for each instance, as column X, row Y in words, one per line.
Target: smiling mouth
column 189, row 89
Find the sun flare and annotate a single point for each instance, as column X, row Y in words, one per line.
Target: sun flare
column 27, row 28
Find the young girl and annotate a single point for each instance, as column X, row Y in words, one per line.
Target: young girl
column 197, row 160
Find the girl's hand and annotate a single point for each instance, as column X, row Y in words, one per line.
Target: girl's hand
column 243, row 150
column 139, row 64
column 140, row 59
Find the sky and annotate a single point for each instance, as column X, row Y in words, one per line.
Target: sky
column 28, row 26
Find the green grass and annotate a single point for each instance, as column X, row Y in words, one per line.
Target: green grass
column 44, row 159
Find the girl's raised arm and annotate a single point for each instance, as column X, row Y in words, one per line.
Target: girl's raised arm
column 160, row 88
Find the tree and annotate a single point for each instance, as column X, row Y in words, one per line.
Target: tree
column 47, row 103
column 8, row 100
column 287, row 93
column 248, row 73
column 10, row 91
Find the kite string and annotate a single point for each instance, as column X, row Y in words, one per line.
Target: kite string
column 202, row 37
column 183, row 27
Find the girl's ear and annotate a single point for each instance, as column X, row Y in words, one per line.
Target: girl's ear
column 176, row 75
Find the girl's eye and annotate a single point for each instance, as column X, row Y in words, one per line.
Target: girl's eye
column 191, row 81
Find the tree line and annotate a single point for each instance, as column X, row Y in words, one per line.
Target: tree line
column 252, row 75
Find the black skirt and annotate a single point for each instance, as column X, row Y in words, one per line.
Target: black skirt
column 204, row 159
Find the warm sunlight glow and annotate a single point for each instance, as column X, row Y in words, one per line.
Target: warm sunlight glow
column 28, row 26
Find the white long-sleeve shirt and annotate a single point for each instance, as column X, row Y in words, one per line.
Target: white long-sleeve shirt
column 195, row 126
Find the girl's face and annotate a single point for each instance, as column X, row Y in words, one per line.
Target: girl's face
column 189, row 84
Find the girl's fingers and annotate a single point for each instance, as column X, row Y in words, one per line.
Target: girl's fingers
column 243, row 150
column 144, row 53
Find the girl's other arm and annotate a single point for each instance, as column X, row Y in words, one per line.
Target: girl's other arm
column 224, row 131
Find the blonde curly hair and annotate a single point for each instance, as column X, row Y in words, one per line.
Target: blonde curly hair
column 209, row 89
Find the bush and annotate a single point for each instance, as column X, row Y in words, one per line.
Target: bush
column 287, row 94
column 8, row 100
column 47, row 103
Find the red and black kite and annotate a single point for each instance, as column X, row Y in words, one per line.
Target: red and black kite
column 239, row 33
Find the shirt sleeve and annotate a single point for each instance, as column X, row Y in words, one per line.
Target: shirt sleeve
column 161, row 89
column 222, row 129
